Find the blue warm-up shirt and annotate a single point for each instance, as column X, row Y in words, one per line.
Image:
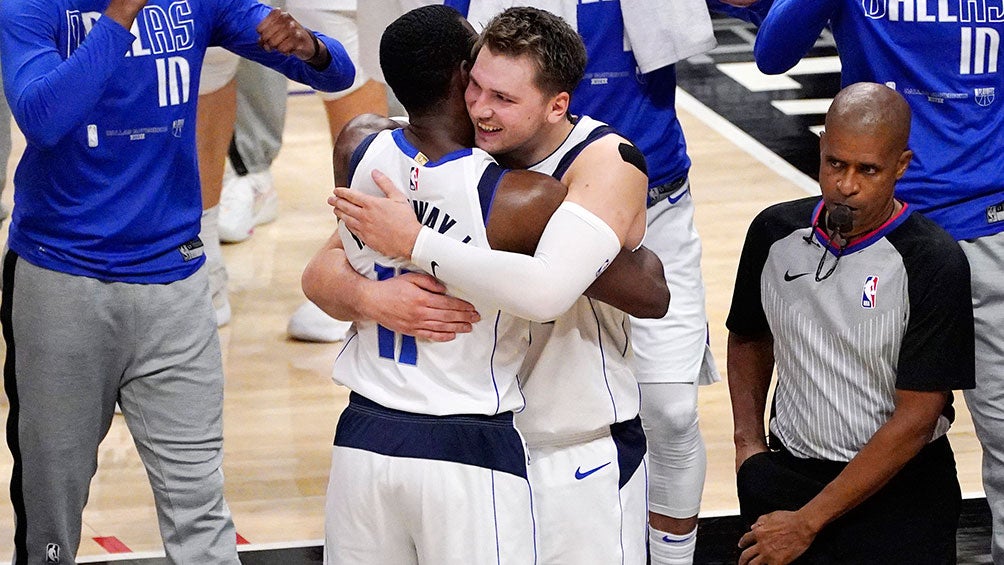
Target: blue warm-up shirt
column 108, row 186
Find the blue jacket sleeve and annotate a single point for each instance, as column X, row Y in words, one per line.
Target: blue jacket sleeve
column 754, row 13
column 236, row 31
column 49, row 96
column 789, row 31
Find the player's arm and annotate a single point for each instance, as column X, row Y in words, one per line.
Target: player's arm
column 789, row 31
column 411, row 304
column 780, row 537
column 272, row 37
column 609, row 179
column 524, row 202
column 635, row 283
column 50, row 96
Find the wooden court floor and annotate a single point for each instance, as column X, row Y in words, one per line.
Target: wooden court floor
column 281, row 405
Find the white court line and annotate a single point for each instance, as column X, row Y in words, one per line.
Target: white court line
column 743, row 140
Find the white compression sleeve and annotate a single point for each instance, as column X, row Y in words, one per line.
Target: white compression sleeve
column 574, row 249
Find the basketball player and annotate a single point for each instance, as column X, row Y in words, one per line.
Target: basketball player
column 630, row 83
column 431, row 422
column 581, row 420
column 105, row 296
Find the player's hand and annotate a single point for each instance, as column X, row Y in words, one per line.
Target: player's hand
column 415, row 304
column 124, row 11
column 387, row 225
column 280, row 32
column 776, row 539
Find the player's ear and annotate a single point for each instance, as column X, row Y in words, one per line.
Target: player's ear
column 558, row 107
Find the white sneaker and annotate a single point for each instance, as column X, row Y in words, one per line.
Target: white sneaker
column 310, row 323
column 246, row 202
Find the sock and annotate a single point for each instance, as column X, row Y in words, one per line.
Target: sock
column 671, row 549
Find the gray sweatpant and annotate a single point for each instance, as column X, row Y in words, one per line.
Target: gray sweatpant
column 986, row 401
column 261, row 115
column 75, row 345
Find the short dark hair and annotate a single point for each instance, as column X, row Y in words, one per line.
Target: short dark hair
column 554, row 47
column 420, row 51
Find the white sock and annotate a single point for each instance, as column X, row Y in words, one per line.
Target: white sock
column 671, row 549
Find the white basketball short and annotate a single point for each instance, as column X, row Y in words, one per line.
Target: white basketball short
column 218, row 68
column 337, row 24
column 675, row 348
column 407, row 488
column 590, row 499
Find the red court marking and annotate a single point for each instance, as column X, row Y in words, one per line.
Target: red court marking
column 241, row 540
column 112, row 544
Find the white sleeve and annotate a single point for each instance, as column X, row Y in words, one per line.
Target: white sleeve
column 574, row 249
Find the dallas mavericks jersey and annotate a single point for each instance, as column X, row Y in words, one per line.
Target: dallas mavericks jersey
column 577, row 377
column 476, row 372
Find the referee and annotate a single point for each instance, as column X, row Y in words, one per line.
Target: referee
column 865, row 310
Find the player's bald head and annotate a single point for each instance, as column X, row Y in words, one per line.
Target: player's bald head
column 871, row 109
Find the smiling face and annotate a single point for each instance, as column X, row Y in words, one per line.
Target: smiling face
column 859, row 167
column 513, row 118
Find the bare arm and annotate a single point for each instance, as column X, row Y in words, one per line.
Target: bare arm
column 634, row 283
column 750, row 365
column 781, row 537
column 411, row 304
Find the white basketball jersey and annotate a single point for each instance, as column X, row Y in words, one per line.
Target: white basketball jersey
column 577, row 377
column 476, row 373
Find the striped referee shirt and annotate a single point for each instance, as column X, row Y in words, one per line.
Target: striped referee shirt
column 896, row 313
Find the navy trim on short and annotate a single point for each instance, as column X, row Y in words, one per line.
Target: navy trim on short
column 471, row 439
column 629, row 437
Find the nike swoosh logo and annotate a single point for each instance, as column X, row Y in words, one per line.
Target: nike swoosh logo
column 789, row 277
column 668, row 540
column 435, row 264
column 580, row 474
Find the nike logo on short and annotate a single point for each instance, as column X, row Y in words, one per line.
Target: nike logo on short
column 434, row 265
column 580, row 474
column 789, row 277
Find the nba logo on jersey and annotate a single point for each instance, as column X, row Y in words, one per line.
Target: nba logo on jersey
column 52, row 553
column 413, row 179
column 871, row 289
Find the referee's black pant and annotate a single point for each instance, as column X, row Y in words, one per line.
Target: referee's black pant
column 911, row 520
